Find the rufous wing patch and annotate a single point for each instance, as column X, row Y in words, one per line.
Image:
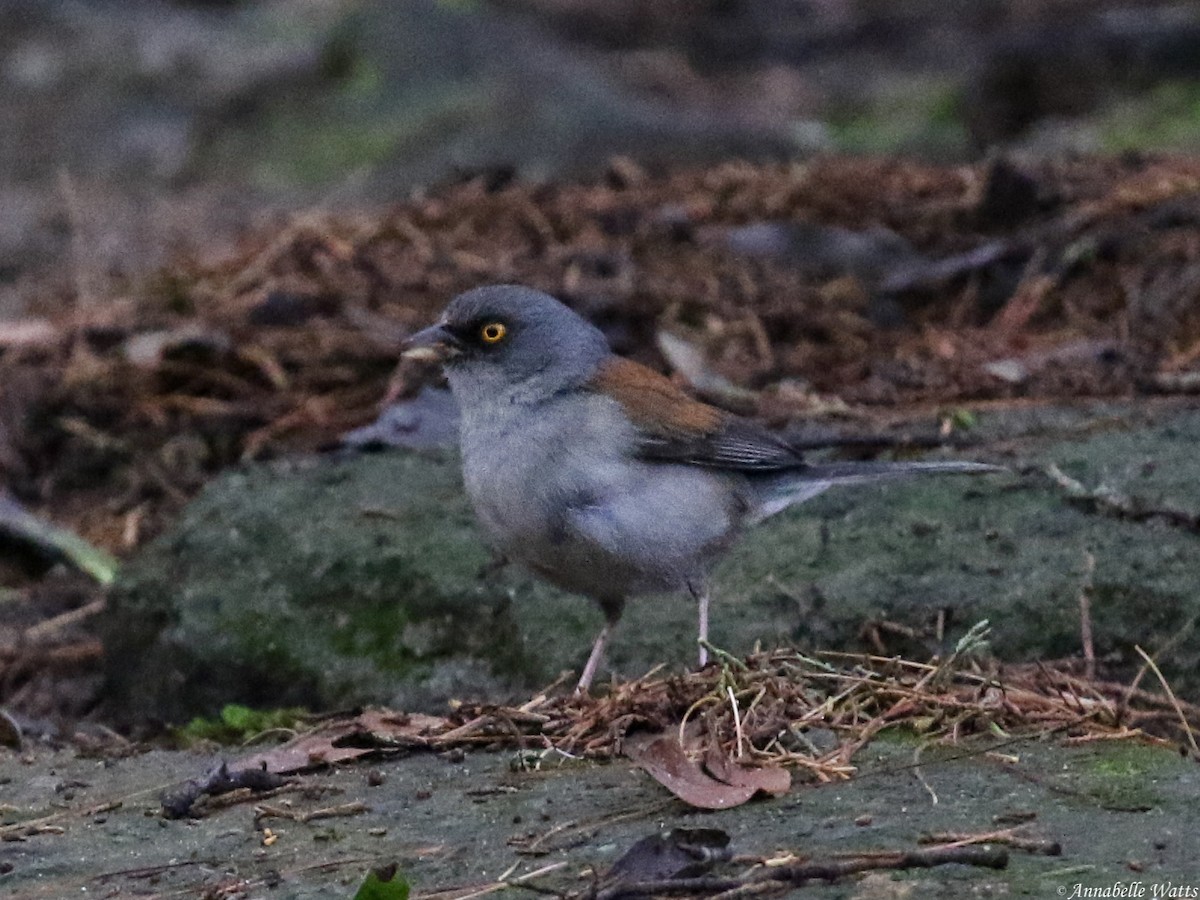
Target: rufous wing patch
column 653, row 402
column 674, row 427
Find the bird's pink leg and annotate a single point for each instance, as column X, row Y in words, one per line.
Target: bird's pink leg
column 700, row 593
column 594, row 658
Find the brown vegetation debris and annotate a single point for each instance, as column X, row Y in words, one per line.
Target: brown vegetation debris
column 774, row 709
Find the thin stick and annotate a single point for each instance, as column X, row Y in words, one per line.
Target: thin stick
column 500, row 884
column 800, row 873
column 737, row 722
column 1085, row 615
column 1009, row 836
column 1165, row 648
column 83, row 294
column 916, row 770
column 59, row 622
column 1187, row 726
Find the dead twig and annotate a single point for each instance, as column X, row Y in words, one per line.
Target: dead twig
column 266, row 811
column 920, row 776
column 1175, row 382
column 1183, row 720
column 797, row 874
column 1085, row 614
column 43, row 629
column 504, row 882
column 1007, row 836
column 67, row 656
column 178, row 803
column 1111, row 502
column 27, row 830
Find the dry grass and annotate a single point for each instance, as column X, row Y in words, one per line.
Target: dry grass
column 815, row 714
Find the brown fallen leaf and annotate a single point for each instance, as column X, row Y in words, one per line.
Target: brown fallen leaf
column 402, row 729
column 306, row 752
column 771, row 780
column 343, row 740
column 663, row 757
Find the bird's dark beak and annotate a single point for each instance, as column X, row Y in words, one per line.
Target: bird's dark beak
column 432, row 344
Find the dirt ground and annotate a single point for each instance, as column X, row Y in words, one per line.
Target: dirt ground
column 1087, row 816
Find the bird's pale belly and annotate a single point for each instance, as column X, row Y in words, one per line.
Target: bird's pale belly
column 609, row 540
column 558, row 554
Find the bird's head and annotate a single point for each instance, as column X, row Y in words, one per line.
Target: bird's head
column 505, row 340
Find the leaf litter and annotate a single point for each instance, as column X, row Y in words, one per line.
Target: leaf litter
column 738, row 727
column 718, row 736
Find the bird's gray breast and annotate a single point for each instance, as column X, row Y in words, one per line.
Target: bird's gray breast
column 516, row 461
column 556, row 486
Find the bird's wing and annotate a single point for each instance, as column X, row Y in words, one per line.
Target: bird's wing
column 673, row 427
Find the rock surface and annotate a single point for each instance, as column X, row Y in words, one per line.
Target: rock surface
column 1120, row 812
column 333, row 582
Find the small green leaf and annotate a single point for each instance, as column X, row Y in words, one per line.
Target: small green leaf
column 238, row 724
column 385, row 883
column 963, row 419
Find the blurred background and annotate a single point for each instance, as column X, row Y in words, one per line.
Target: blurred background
column 136, row 128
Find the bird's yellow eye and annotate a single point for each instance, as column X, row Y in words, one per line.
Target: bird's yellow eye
column 493, row 332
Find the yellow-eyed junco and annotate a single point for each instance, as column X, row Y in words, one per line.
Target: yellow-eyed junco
column 598, row 473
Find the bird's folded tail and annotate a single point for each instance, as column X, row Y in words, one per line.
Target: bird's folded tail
column 850, row 472
column 780, row 491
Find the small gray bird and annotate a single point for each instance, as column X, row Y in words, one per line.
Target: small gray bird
column 598, row 473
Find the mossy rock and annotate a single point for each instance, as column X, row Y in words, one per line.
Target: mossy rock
column 330, row 582
column 324, row 583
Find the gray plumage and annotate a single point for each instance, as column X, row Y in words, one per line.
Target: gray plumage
column 592, row 472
